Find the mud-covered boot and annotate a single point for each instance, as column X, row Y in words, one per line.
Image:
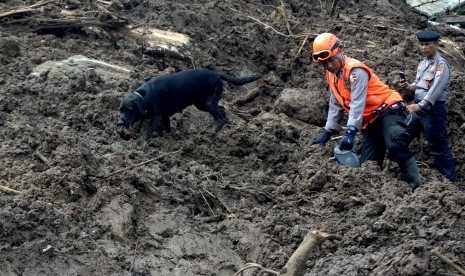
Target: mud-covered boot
column 410, row 170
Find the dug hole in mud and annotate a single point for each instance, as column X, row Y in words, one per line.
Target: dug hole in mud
column 82, row 201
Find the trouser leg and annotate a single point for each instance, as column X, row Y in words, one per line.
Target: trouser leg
column 413, row 125
column 437, row 138
column 395, row 136
column 373, row 148
column 397, row 140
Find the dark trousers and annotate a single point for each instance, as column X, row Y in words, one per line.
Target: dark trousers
column 432, row 122
column 387, row 133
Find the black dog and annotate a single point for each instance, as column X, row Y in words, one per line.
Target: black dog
column 161, row 97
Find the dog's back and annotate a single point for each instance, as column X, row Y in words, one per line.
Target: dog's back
column 165, row 95
column 172, row 93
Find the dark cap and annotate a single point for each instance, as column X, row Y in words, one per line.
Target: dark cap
column 426, row 36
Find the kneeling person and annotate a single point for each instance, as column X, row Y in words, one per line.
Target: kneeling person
column 373, row 108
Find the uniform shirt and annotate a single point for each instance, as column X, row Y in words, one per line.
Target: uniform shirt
column 432, row 80
column 358, row 96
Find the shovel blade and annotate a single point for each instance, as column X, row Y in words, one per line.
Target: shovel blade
column 346, row 158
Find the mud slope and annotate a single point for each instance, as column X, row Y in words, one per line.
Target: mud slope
column 212, row 202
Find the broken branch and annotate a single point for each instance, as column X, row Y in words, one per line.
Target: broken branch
column 143, row 163
column 25, row 9
column 283, row 10
column 273, row 29
column 333, row 6
column 301, row 46
column 448, row 261
column 206, row 201
column 42, row 158
column 7, row 190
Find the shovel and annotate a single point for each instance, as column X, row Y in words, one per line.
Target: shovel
column 346, row 158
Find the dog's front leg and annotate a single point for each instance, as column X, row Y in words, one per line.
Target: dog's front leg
column 154, row 121
column 165, row 121
column 139, row 127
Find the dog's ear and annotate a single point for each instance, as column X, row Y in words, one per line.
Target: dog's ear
column 142, row 106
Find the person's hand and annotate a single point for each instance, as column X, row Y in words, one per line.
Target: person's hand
column 405, row 85
column 413, row 108
column 348, row 139
column 323, row 138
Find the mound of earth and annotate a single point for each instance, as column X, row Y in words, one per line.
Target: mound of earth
column 196, row 202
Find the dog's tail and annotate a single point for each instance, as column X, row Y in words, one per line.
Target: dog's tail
column 240, row 80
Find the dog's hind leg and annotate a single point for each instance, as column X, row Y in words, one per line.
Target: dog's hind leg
column 219, row 116
column 223, row 114
column 211, row 106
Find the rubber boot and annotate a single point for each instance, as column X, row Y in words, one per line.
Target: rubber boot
column 410, row 170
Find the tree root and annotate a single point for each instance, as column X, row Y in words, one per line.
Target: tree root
column 254, row 265
column 296, row 264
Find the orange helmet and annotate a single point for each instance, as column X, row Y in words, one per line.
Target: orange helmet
column 325, row 46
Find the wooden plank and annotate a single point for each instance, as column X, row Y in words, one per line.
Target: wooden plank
column 455, row 20
column 163, row 43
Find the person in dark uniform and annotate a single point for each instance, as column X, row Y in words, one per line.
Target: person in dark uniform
column 373, row 108
column 429, row 112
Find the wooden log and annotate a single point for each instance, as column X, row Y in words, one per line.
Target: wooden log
column 56, row 23
column 296, row 265
column 25, row 9
column 456, row 20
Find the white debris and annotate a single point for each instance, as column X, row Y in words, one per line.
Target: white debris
column 432, row 8
column 78, row 64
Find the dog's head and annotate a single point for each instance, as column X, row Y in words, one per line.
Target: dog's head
column 132, row 109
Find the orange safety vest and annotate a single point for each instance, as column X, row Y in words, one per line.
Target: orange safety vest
column 379, row 95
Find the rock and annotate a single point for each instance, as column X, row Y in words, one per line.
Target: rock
column 301, row 104
column 9, row 50
column 315, row 183
column 374, row 209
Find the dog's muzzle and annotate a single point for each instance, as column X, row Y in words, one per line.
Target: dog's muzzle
column 126, row 131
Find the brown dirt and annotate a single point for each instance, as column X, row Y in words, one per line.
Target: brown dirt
column 217, row 201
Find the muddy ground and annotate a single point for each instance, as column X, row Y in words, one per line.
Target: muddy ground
column 212, row 202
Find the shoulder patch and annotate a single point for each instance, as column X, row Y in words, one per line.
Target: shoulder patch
column 352, row 77
column 439, row 70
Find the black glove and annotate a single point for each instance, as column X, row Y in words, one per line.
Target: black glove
column 348, row 139
column 323, row 138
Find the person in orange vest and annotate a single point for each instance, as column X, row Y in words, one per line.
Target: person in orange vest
column 373, row 108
